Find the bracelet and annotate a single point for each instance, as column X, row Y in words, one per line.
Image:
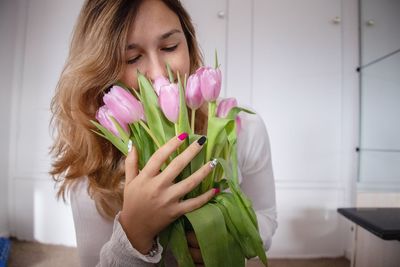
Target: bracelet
column 154, row 249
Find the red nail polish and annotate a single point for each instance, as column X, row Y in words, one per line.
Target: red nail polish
column 216, row 191
column 182, row 136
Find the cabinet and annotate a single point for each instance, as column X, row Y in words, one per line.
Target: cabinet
column 380, row 95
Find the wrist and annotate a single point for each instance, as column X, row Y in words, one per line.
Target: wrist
column 139, row 239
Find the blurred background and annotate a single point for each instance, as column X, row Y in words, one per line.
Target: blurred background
column 324, row 75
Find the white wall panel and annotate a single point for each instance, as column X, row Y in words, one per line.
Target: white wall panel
column 383, row 35
column 297, row 85
column 8, row 14
column 43, row 30
column 48, row 32
column 308, row 224
column 211, row 31
column 38, row 216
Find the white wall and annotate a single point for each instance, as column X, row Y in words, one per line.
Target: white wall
column 8, row 12
column 43, row 32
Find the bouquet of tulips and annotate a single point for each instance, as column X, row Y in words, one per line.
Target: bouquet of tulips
column 226, row 227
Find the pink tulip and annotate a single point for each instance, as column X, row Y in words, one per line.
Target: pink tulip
column 103, row 116
column 210, row 82
column 223, row 110
column 169, row 101
column 194, row 97
column 160, row 82
column 225, row 106
column 123, row 105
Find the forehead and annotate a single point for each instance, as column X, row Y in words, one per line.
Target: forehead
column 152, row 20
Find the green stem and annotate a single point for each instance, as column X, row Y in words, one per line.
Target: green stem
column 150, row 133
column 176, row 128
column 208, row 181
column 211, row 114
column 193, row 119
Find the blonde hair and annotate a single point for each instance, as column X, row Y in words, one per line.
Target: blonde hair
column 96, row 61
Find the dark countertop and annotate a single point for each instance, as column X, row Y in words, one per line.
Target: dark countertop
column 382, row 222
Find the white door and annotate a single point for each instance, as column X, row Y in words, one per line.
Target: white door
column 297, row 88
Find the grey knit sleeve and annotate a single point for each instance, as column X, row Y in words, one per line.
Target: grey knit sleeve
column 118, row 251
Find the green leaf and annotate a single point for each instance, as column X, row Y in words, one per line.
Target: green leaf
column 216, row 128
column 124, row 136
column 152, row 111
column 116, row 141
column 170, row 75
column 235, row 242
column 209, row 226
column 235, row 110
column 221, row 184
column 216, row 65
column 196, row 163
column 179, row 245
column 148, row 145
column 183, row 120
column 242, row 228
column 183, row 125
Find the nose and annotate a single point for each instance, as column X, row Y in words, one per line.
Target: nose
column 156, row 67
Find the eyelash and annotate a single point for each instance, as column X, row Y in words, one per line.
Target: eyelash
column 165, row 49
column 170, row 49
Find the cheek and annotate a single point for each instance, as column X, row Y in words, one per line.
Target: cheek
column 129, row 77
column 181, row 62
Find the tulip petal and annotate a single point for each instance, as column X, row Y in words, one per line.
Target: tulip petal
column 169, row 101
column 194, row 97
column 210, row 83
column 123, row 105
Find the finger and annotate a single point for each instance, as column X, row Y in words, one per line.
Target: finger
column 196, row 255
column 185, row 186
column 182, row 160
column 192, row 240
column 131, row 164
column 155, row 162
column 195, row 203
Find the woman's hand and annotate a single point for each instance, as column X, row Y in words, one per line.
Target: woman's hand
column 152, row 200
column 194, row 249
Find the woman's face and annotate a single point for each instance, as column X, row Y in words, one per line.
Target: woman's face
column 154, row 39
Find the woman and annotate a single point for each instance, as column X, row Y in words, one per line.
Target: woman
column 118, row 210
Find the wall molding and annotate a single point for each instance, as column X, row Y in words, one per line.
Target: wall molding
column 309, row 185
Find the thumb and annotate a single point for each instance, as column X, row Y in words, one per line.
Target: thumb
column 131, row 163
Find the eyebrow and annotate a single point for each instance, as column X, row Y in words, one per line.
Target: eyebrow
column 162, row 37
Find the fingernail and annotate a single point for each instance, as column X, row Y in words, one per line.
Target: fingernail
column 182, row 136
column 216, row 191
column 202, row 140
column 213, row 163
column 129, row 146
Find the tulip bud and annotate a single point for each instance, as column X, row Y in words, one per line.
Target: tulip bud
column 160, row 82
column 123, row 105
column 223, row 110
column 103, row 116
column 169, row 101
column 194, row 97
column 210, row 83
column 225, row 106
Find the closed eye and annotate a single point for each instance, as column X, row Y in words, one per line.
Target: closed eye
column 170, row 48
column 133, row 60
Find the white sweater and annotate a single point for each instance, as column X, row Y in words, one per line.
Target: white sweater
column 103, row 243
